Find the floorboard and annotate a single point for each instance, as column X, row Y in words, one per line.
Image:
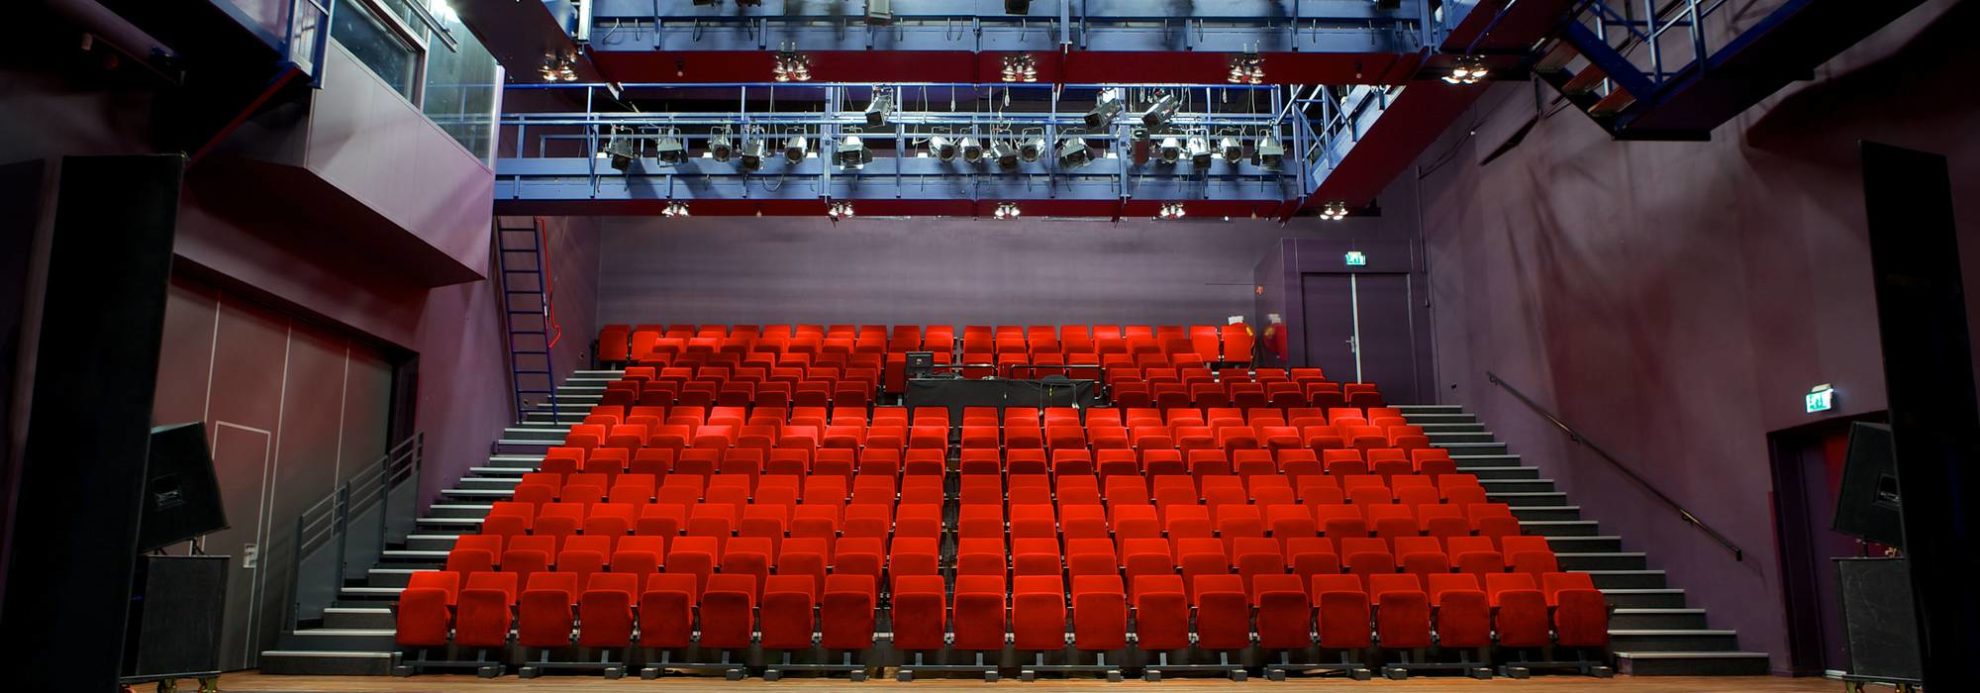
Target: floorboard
column 255, row 683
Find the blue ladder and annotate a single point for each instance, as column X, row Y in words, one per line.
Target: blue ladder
column 526, row 314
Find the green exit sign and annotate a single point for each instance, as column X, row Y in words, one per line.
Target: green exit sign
column 1356, row 259
column 1821, row 398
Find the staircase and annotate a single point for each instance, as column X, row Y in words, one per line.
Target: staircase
column 1653, row 631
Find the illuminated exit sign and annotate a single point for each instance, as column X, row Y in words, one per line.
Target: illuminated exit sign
column 1820, row 399
column 1356, row 259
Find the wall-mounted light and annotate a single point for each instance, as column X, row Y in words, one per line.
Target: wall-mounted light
column 839, row 209
column 1470, row 69
column 792, row 66
column 1020, row 68
column 675, row 208
column 1246, row 68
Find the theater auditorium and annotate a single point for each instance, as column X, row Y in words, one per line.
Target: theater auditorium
column 619, row 345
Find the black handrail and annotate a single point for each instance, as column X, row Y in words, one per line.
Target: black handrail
column 1573, row 435
column 326, row 524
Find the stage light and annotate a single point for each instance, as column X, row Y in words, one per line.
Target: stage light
column 1020, row 68
column 1199, row 152
column 1160, row 111
column 1170, row 211
column 1334, row 211
column 1170, row 152
column 753, row 151
column 1031, row 148
column 620, row 150
column 943, row 147
column 1469, row 70
column 1232, row 149
column 879, row 12
column 972, row 150
column 853, row 153
column 795, row 149
column 839, row 210
column 877, row 110
column 719, row 146
column 1073, row 153
column 1270, row 153
column 1007, row 210
column 1246, row 68
column 792, row 67
column 1005, row 154
column 671, row 151
column 675, row 209
column 1103, row 113
column 1017, row 6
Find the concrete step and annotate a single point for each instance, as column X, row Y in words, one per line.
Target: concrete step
column 326, row 663
column 1658, row 619
column 1427, row 419
column 1645, row 598
column 1692, row 663
column 1413, row 409
column 1503, row 473
column 1469, row 461
column 507, row 445
column 1604, row 560
column 1627, row 579
column 342, row 640
column 437, row 525
column 1435, row 429
column 389, row 575
column 368, row 596
column 1674, row 640
column 1585, row 545
column 433, row 541
column 514, row 473
column 358, row 617
column 1500, row 486
column 405, row 558
column 1527, row 499
column 1461, row 449
column 526, row 461
column 1560, row 528
column 1443, row 438
column 1547, row 512
column 497, row 483
column 546, row 433
column 479, row 494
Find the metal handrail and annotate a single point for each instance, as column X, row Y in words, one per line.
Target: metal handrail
column 1576, row 436
column 326, row 523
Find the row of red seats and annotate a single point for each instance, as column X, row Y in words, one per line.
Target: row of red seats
column 1231, row 342
column 1284, row 395
column 1112, row 417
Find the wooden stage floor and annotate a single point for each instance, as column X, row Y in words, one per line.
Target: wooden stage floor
column 255, row 683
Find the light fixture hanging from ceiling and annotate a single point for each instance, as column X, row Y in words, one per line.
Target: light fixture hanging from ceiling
column 1470, row 69
column 1334, row 211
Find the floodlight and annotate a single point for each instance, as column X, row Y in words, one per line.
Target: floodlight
column 1160, row 111
column 795, row 148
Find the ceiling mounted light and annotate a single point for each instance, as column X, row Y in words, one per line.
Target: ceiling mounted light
column 1199, row 152
column 972, row 150
column 675, row 209
column 1073, row 153
column 1103, row 113
column 1231, row 148
column 1160, row 111
column 1020, row 68
column 1246, row 68
column 795, row 149
column 671, row 151
column 1007, row 210
column 1334, row 211
column 840, row 209
column 943, row 147
column 1005, row 154
column 1270, row 152
column 720, row 148
column 1030, row 148
column 877, row 110
column 792, row 66
column 753, row 151
column 1170, row 151
column 1470, row 70
column 1170, row 211
column 853, row 153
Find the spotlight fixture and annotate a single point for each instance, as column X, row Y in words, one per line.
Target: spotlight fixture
column 1170, row 151
column 1005, row 154
column 1017, row 6
column 1160, row 111
column 1470, row 70
column 1199, row 152
column 671, row 151
column 1170, row 211
column 1020, row 68
column 943, row 147
column 1103, row 113
column 753, row 151
column 1270, row 152
column 972, row 150
column 720, row 147
column 558, row 68
column 795, row 149
column 792, row 66
column 1247, row 68
column 853, row 153
column 1030, row 148
column 1138, row 146
column 840, row 209
column 675, row 208
column 1007, row 210
column 620, row 150
column 1232, row 149
column 1334, row 211
column 876, row 111
column 879, row 12
column 1073, row 153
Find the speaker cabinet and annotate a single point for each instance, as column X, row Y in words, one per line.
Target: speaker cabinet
column 177, row 604
column 1879, row 618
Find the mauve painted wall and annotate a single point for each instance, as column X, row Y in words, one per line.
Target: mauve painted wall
column 1675, row 300
column 930, row 271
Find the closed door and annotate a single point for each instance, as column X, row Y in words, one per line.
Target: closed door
column 1358, row 328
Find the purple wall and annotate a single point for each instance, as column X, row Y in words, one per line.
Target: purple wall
column 931, row 271
column 1675, row 300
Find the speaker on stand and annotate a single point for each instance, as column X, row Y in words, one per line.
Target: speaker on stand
column 177, row 603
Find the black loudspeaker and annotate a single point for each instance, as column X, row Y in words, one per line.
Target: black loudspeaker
column 181, row 495
column 920, row 364
column 1867, row 507
column 177, row 604
column 1879, row 618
